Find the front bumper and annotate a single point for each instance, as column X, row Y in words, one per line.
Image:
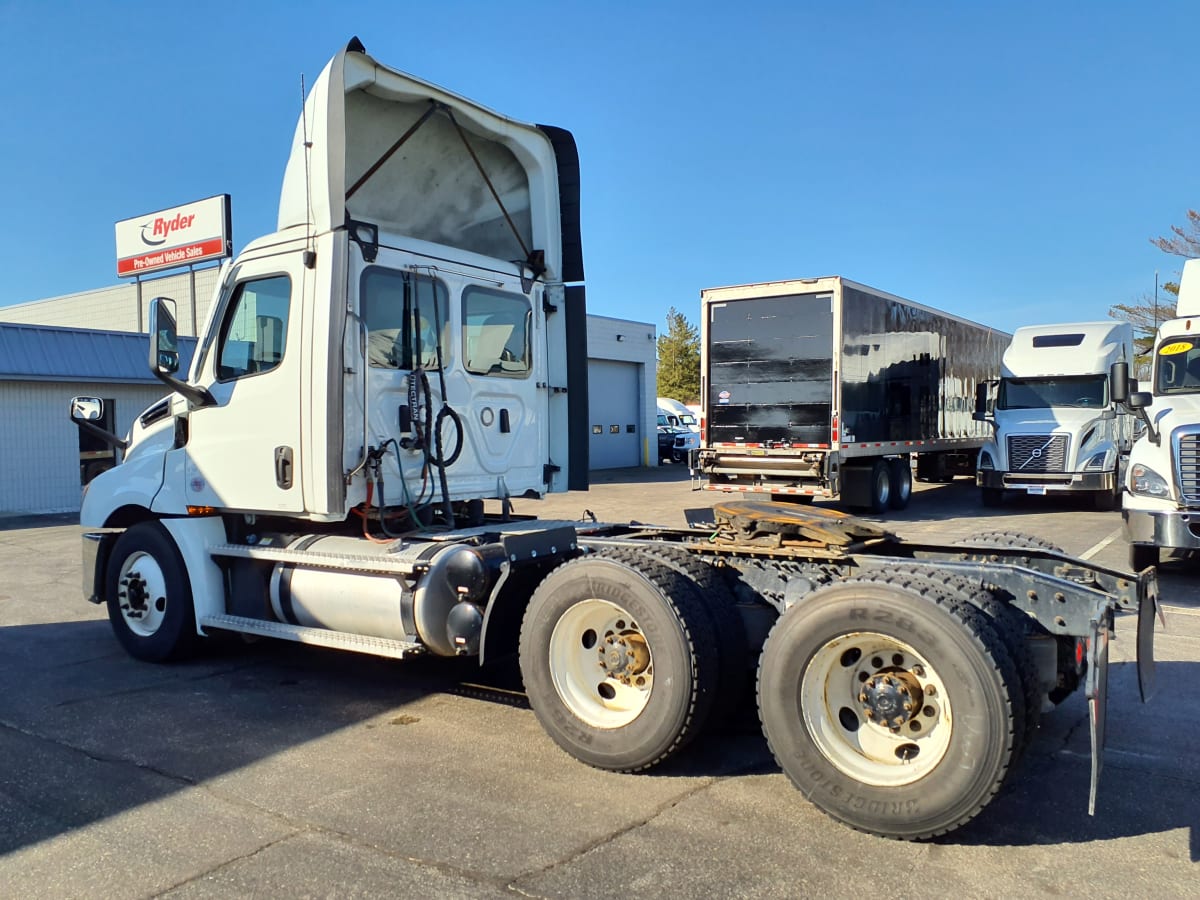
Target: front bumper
column 1163, row 528
column 1045, row 482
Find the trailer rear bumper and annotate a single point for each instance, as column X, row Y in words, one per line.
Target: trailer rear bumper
column 1043, row 483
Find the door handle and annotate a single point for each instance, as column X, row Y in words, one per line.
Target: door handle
column 283, row 467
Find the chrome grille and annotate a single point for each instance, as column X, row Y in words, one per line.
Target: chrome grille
column 1187, row 467
column 1037, row 453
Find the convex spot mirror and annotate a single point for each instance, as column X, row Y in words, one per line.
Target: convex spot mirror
column 164, row 342
column 87, row 409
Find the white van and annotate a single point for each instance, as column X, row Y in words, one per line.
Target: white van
column 678, row 415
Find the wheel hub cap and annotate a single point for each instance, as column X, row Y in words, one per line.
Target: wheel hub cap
column 891, row 698
column 624, row 656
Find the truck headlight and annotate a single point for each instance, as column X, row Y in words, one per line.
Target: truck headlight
column 1097, row 460
column 1144, row 480
column 985, row 460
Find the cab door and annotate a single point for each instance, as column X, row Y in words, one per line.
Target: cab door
column 504, row 363
column 243, row 453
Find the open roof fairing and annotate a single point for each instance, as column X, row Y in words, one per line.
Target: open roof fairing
column 419, row 161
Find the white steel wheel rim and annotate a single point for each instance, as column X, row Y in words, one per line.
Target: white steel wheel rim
column 860, row 748
column 142, row 594
column 600, row 664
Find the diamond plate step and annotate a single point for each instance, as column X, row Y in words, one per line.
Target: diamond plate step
column 320, row 637
column 314, row 559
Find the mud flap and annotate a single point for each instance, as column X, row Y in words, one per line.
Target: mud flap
column 1147, row 607
column 1097, row 697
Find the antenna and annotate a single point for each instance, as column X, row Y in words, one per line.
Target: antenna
column 310, row 255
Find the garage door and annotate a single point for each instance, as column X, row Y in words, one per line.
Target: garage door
column 614, row 414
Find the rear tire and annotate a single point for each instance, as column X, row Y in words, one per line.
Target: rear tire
column 906, row 647
column 713, row 594
column 1017, row 539
column 881, row 486
column 900, row 471
column 1142, row 556
column 620, row 662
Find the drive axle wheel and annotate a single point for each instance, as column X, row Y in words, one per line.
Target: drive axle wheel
column 149, row 596
column 619, row 660
column 892, row 723
column 893, row 710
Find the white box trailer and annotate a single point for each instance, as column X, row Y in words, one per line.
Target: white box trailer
column 826, row 388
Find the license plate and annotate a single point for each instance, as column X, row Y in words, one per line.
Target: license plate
column 1038, row 489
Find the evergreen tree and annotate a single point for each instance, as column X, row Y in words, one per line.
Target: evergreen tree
column 679, row 359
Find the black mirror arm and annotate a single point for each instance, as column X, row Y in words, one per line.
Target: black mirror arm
column 198, row 397
column 97, row 432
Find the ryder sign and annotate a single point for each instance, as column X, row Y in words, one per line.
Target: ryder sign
column 180, row 236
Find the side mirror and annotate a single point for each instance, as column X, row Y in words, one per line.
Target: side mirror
column 86, row 409
column 1139, row 400
column 85, row 412
column 982, row 391
column 1118, row 379
column 164, row 341
column 164, row 353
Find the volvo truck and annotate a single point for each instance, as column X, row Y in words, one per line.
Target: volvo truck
column 1161, row 506
column 823, row 388
column 1058, row 414
column 380, row 376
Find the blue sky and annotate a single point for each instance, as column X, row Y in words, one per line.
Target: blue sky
column 1007, row 162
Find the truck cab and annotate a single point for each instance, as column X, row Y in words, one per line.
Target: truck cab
column 403, row 331
column 1162, row 501
column 1058, row 420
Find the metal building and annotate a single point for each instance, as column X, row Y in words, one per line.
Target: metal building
column 44, row 458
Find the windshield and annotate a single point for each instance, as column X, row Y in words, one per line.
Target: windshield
column 1082, row 391
column 1177, row 365
column 687, row 418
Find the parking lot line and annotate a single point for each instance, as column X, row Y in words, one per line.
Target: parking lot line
column 1096, row 548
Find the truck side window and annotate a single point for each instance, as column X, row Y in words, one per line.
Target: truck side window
column 400, row 311
column 255, row 329
column 496, row 330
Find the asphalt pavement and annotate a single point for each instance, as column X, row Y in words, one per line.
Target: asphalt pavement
column 267, row 768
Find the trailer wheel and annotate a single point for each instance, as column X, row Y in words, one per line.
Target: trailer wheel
column 892, row 710
column 881, row 486
column 1142, row 556
column 991, row 497
column 149, row 595
column 620, row 662
column 900, row 472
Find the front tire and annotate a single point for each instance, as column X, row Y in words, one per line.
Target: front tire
column 944, row 695
column 149, row 595
column 620, row 661
column 1142, row 556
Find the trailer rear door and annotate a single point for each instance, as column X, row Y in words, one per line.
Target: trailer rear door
column 770, row 369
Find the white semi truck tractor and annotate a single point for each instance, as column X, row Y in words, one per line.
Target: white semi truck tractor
column 405, row 354
column 1162, row 501
column 1059, row 420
